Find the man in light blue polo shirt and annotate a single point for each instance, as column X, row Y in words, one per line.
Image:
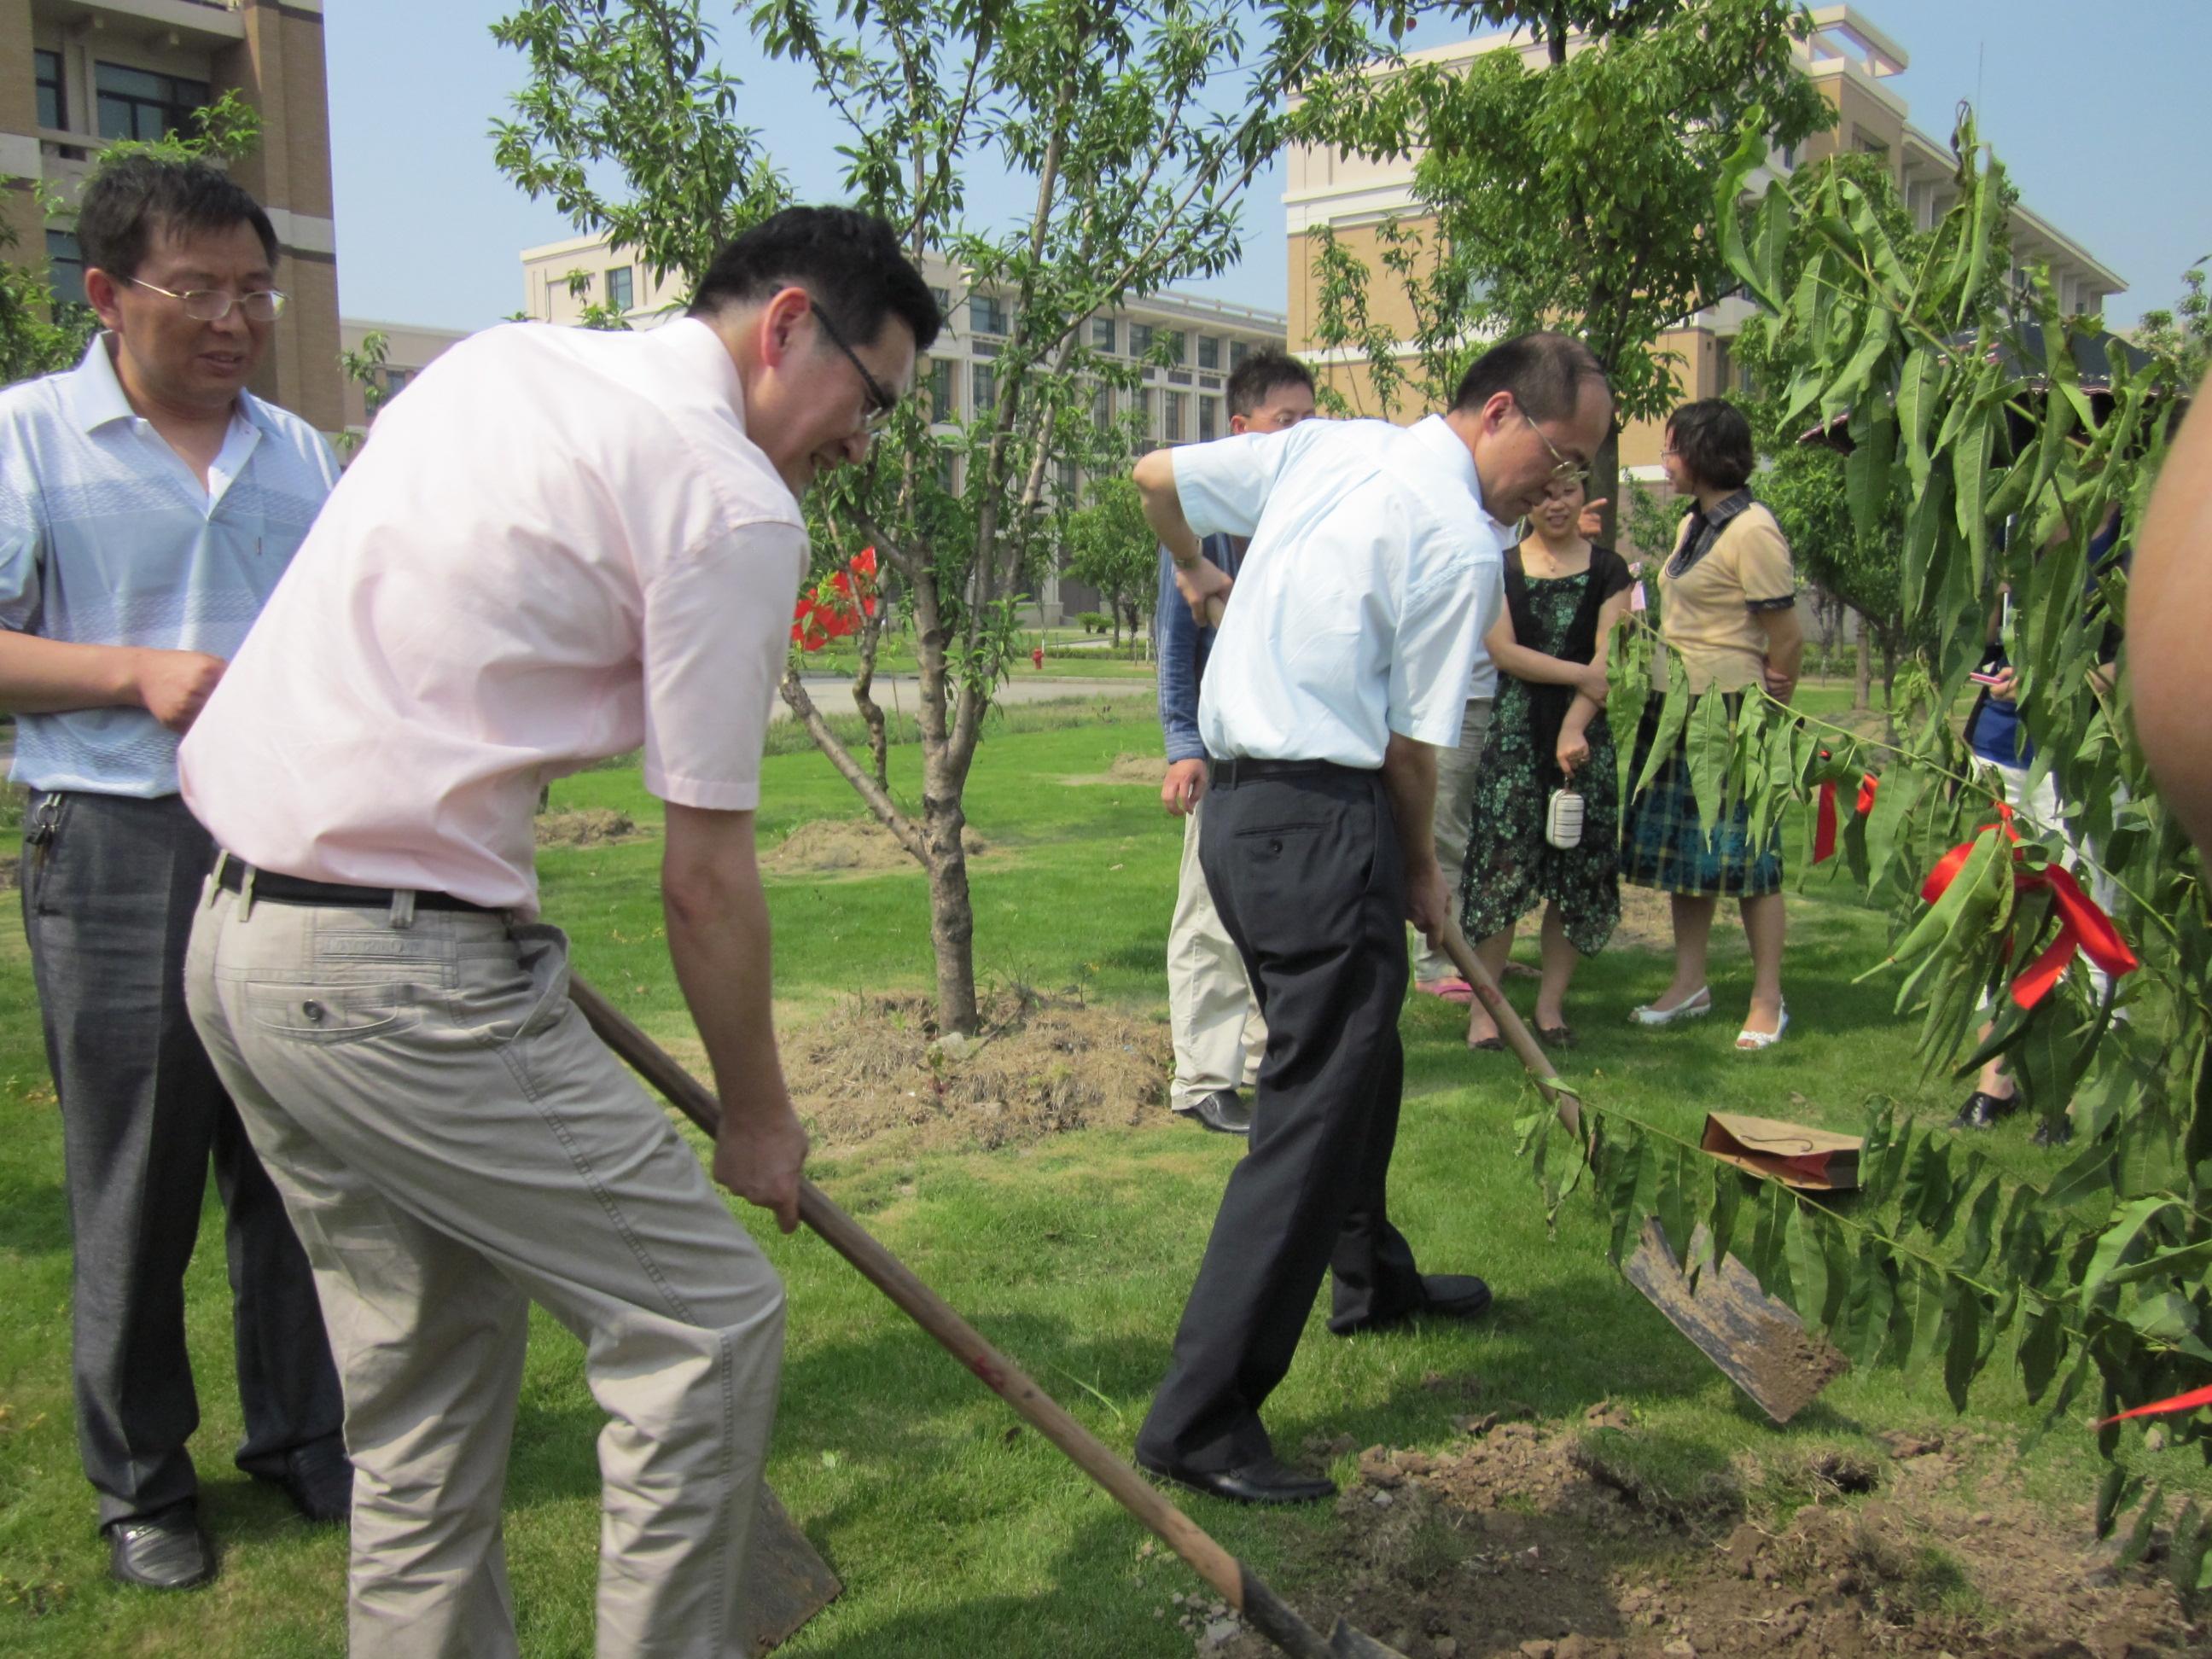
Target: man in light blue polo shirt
column 148, row 503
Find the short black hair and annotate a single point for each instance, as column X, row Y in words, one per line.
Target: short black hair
column 1251, row 380
column 1544, row 371
column 1713, row 440
column 849, row 261
column 134, row 195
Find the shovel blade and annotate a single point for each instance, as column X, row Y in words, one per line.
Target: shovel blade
column 787, row 1580
column 1760, row 1344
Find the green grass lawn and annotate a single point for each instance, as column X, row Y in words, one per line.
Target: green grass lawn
column 956, row 1533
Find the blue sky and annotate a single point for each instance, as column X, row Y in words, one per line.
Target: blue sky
column 2097, row 111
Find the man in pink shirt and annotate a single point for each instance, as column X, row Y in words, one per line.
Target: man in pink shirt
column 559, row 546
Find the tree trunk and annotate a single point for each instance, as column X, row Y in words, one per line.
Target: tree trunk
column 1605, row 482
column 1862, row 668
column 1889, row 668
column 951, row 911
column 872, row 633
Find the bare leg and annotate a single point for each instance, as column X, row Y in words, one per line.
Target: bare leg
column 1558, row 968
column 1491, row 952
column 1764, row 924
column 1693, row 931
column 1994, row 1081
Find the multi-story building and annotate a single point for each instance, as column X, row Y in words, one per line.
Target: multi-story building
column 76, row 74
column 1845, row 56
column 408, row 348
column 1183, row 402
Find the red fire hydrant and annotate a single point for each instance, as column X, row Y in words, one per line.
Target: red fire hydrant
column 1036, row 657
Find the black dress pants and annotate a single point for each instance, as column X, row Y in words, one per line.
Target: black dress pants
column 1306, row 871
column 109, row 891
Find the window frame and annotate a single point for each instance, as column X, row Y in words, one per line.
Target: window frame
column 174, row 110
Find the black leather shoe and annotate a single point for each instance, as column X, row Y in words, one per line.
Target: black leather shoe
column 1223, row 1113
column 1270, row 1480
column 319, row 1480
column 1983, row 1110
column 1444, row 1296
column 165, row 1552
column 2052, row 1132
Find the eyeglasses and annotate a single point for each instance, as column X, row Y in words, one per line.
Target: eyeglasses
column 881, row 403
column 212, row 305
column 1564, row 471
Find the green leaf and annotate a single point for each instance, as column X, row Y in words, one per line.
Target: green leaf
column 1964, row 1317
column 1707, row 754
column 1673, row 711
column 1620, row 1169
column 1974, row 1249
column 2139, row 1539
column 1928, row 1314
column 1809, row 1266
column 1927, row 1195
column 2114, row 1491
column 1728, row 1200
column 2042, row 1345
column 1673, row 1201
column 2130, row 1227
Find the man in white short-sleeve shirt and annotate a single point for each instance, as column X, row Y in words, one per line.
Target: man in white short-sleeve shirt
column 559, row 546
column 1341, row 668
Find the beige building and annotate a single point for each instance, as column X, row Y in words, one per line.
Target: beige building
column 1182, row 403
column 408, row 348
column 76, row 75
column 1846, row 56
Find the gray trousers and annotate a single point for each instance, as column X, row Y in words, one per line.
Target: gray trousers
column 454, row 1144
column 109, row 888
column 1455, row 773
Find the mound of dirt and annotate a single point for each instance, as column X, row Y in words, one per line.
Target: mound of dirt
column 856, row 846
column 1544, row 1542
column 1040, row 1067
column 1127, row 768
column 596, row 826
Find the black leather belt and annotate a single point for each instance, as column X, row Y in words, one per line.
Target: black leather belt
column 271, row 888
column 1228, row 773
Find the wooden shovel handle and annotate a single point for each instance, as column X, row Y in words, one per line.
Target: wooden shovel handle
column 1518, row 1037
column 927, row 1309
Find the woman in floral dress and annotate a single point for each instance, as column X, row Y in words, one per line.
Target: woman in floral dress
column 1564, row 598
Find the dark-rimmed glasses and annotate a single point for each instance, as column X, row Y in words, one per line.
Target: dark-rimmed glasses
column 212, row 305
column 881, row 403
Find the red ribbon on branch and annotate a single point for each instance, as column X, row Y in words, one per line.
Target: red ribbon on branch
column 2083, row 926
column 1824, row 824
column 2180, row 1402
column 837, row 607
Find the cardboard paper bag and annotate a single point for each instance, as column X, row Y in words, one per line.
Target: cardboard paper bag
column 1816, row 1160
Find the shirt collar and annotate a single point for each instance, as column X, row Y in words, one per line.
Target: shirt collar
column 95, row 395
column 696, row 344
column 1434, row 433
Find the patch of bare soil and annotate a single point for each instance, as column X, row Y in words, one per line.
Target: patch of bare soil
column 1647, row 921
column 1127, row 768
column 1040, row 1065
column 853, row 846
column 1544, row 1542
column 598, row 826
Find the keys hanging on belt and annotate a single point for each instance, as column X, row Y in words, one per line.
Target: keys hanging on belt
column 39, row 832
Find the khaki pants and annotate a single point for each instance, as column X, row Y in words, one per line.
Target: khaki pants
column 1219, row 1034
column 1455, row 814
column 453, row 1143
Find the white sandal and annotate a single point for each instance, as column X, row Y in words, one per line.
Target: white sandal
column 1750, row 1041
column 1696, row 1005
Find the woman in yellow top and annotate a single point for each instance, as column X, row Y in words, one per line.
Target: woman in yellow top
column 1726, row 604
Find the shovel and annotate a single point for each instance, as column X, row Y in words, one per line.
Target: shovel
column 1760, row 1344
column 1237, row 1584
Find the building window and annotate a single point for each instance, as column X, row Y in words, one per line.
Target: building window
column 1068, row 483
column 397, row 380
column 1173, row 431
column 1102, row 333
column 1141, row 338
column 986, row 313
column 1102, row 408
column 944, row 298
column 140, row 103
column 1145, row 399
column 66, row 267
column 620, row 293
column 940, row 390
column 1238, row 351
column 46, row 70
column 1173, row 337
column 982, row 387
column 1209, row 351
column 1207, row 419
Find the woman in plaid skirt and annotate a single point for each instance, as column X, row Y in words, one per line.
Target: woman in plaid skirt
column 1727, row 607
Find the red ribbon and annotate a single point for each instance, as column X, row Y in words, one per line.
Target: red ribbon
column 2083, row 925
column 1824, row 824
column 2180, row 1402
